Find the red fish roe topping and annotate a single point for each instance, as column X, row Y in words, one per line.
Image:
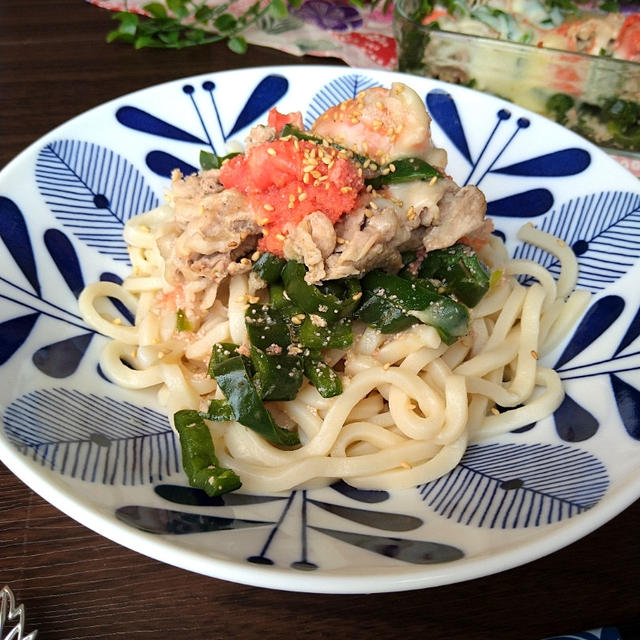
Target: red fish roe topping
column 277, row 120
column 287, row 179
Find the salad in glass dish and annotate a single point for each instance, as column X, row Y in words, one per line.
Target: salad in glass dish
column 577, row 63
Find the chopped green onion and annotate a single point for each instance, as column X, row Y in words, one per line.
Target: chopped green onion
column 182, row 322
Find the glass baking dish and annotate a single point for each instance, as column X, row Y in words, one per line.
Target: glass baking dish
column 595, row 96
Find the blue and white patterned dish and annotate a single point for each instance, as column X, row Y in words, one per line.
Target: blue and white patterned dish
column 108, row 458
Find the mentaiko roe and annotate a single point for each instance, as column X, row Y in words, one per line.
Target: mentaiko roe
column 287, row 179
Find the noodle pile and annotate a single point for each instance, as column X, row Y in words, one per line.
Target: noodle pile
column 410, row 405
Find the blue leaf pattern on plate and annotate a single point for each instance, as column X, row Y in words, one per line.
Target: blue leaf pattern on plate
column 407, row 550
column 66, row 259
column 143, row 121
column 15, row 235
column 336, row 91
column 163, row 521
column 180, row 494
column 381, row 520
column 598, row 318
column 61, row 359
column 93, row 191
column 361, row 495
column 508, row 486
column 264, row 96
column 94, row 438
column 13, row 334
column 603, row 229
column 164, row 163
column 528, row 204
column 573, row 422
column 443, row 110
column 628, row 402
column 156, row 520
column 567, row 162
column 633, row 331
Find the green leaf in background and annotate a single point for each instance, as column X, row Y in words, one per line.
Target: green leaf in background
column 237, row 44
column 156, row 9
column 278, row 9
column 178, row 7
column 204, row 14
column 170, row 38
column 225, row 22
column 127, row 29
column 175, row 24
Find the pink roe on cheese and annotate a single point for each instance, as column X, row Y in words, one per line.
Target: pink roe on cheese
column 287, row 179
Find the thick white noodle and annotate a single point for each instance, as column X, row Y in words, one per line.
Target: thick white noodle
column 560, row 249
column 238, row 290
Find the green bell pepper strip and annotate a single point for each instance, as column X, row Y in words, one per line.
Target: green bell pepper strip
column 322, row 376
column 269, row 267
column 312, row 300
column 199, row 458
column 335, row 336
column 290, row 130
column 278, row 376
column 384, row 315
column 234, row 380
column 218, row 411
column 279, row 301
column 403, row 170
column 408, row 273
column 219, row 353
column 210, row 160
column 460, row 272
column 266, row 326
column 447, row 316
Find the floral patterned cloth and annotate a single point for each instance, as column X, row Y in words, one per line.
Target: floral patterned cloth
column 324, row 28
column 327, row 28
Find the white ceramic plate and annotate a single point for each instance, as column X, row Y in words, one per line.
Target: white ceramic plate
column 108, row 458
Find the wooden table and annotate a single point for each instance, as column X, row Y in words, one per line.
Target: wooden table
column 75, row 584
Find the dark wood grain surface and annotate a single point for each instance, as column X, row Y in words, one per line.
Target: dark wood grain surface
column 75, row 584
